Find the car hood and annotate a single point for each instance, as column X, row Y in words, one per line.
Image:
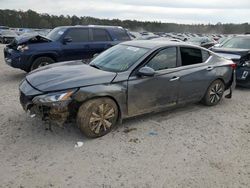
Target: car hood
column 231, row 53
column 31, row 37
column 67, row 75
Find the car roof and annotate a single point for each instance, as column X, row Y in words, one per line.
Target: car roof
column 151, row 44
column 92, row 26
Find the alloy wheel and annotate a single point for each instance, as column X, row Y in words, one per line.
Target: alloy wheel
column 216, row 93
column 43, row 64
column 101, row 119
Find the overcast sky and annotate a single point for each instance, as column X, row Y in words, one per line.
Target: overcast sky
column 180, row 11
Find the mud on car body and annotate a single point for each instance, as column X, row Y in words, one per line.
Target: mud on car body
column 30, row 51
column 238, row 49
column 126, row 80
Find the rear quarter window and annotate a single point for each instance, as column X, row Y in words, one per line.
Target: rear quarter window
column 205, row 55
column 190, row 56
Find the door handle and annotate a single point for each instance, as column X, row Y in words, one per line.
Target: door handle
column 209, row 68
column 174, row 78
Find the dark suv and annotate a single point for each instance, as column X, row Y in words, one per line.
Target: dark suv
column 64, row 43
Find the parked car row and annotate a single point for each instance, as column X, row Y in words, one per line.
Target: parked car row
column 7, row 36
column 106, row 78
column 24, row 31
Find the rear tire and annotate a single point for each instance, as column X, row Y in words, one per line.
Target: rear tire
column 97, row 117
column 214, row 93
column 40, row 62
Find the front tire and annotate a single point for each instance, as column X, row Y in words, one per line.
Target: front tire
column 214, row 93
column 97, row 117
column 40, row 62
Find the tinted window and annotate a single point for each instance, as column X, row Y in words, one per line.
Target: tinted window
column 164, row 59
column 205, row 55
column 100, row 35
column 78, row 35
column 191, row 56
column 121, row 35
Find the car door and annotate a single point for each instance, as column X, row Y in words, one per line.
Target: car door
column 196, row 73
column 100, row 41
column 75, row 44
column 146, row 94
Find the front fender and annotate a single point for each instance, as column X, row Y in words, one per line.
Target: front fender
column 117, row 92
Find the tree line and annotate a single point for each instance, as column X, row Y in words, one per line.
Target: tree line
column 32, row 19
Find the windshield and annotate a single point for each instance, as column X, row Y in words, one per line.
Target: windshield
column 118, row 58
column 238, row 42
column 56, row 33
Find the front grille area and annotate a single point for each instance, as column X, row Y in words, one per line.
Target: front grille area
column 13, row 44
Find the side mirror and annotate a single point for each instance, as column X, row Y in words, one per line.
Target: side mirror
column 146, row 71
column 67, row 40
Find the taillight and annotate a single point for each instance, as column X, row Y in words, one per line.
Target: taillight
column 233, row 65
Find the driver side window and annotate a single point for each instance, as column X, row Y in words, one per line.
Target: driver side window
column 164, row 59
column 78, row 35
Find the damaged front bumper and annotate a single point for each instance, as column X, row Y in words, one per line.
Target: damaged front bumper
column 243, row 76
column 58, row 115
column 52, row 107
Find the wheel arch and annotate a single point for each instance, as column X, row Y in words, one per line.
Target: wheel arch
column 120, row 114
column 219, row 78
column 50, row 55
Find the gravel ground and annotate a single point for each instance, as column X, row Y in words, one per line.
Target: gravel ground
column 192, row 146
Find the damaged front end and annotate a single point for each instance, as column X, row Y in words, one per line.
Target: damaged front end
column 52, row 107
column 58, row 115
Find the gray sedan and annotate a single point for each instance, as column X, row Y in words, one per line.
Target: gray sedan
column 129, row 79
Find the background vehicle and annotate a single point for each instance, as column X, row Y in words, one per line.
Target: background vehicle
column 7, row 36
column 129, row 79
column 62, row 44
column 3, row 27
column 238, row 49
column 204, row 42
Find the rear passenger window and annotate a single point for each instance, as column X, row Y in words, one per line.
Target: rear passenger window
column 164, row 59
column 121, row 35
column 78, row 35
column 190, row 56
column 100, row 35
column 205, row 55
